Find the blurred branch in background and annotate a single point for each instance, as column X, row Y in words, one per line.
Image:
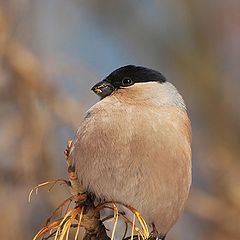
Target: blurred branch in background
column 197, row 42
column 31, row 108
column 29, row 92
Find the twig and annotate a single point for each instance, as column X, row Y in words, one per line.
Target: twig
column 36, row 188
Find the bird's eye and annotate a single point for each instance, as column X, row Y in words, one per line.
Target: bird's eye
column 127, row 82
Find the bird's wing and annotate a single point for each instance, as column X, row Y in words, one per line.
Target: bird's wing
column 100, row 148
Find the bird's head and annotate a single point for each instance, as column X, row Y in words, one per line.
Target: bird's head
column 125, row 77
column 136, row 83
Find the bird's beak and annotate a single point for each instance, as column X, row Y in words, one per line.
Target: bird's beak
column 103, row 88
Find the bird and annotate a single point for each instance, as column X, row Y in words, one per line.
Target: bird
column 134, row 146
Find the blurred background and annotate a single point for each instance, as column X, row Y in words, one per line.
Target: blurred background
column 52, row 52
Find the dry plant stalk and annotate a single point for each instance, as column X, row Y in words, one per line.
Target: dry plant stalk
column 85, row 214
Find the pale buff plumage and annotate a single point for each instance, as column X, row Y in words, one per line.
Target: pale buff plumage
column 134, row 146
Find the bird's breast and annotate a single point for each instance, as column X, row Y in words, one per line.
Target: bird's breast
column 139, row 155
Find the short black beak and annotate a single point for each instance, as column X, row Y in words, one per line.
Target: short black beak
column 103, row 88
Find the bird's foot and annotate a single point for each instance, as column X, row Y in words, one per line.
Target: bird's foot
column 154, row 235
column 158, row 237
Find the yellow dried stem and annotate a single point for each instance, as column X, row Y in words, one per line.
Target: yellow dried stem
column 142, row 223
column 67, row 225
column 133, row 226
column 63, row 225
column 140, row 220
column 144, row 235
column 128, row 221
column 65, row 229
column 115, row 209
column 79, row 224
column 40, row 233
column 58, row 208
column 47, row 228
column 67, row 235
column 144, row 232
column 44, row 184
column 62, row 222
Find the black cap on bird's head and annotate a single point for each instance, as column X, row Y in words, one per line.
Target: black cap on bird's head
column 125, row 77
